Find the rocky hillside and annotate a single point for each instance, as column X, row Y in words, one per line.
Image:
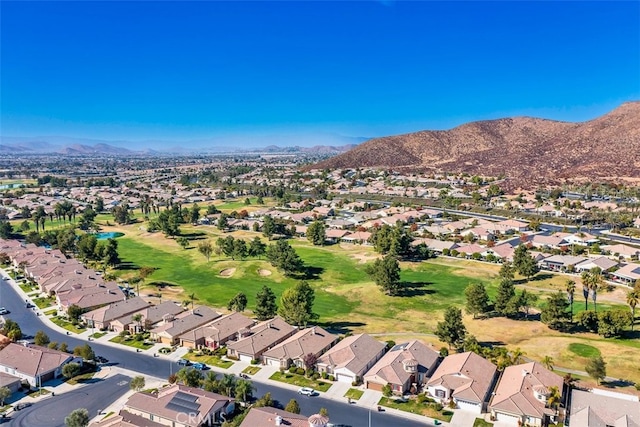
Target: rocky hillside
column 528, row 151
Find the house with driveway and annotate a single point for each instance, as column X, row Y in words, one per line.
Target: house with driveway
column 179, row 405
column 351, row 358
column 34, row 364
column 169, row 331
column 404, row 368
column 522, row 395
column 253, row 342
column 151, row 316
column 292, row 351
column 603, row 408
column 216, row 333
column 102, row 317
column 465, row 378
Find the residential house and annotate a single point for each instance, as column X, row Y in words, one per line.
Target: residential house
column 334, row 235
column 292, row 351
column 603, row 263
column 179, row 405
column 151, row 316
column 404, row 368
column 102, row 317
column 11, row 382
column 435, row 245
column 546, row 242
column 623, row 251
column 34, row 364
column 253, row 342
column 561, row 262
column 466, row 378
column 351, row 358
column 269, row 417
column 172, row 327
column 479, row 233
column 216, row 333
column 89, row 295
column 600, row 408
column 627, row 274
column 522, row 395
column 359, row 237
column 582, row 239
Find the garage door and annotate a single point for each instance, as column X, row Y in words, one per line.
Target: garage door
column 273, row 362
column 344, row 378
column 374, row 386
column 244, row 358
column 468, row 406
column 511, row 419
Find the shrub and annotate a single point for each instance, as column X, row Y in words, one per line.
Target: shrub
column 332, row 378
column 139, row 338
column 190, row 351
column 325, row 376
column 300, row 371
column 309, row 372
column 255, row 361
column 315, row 376
column 123, row 334
column 293, row 370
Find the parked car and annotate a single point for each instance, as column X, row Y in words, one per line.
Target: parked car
column 21, row 406
column 307, row 391
column 184, row 362
column 199, row 366
column 4, row 310
column 101, row 359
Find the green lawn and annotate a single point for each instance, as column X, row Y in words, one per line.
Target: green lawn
column 479, row 422
column 131, row 342
column 411, row 405
column 354, row 393
column 300, row 381
column 251, row 370
column 64, row 323
column 209, row 360
column 97, row 335
column 44, row 302
column 584, row 350
column 27, row 287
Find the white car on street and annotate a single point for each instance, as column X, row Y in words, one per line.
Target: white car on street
column 307, row 391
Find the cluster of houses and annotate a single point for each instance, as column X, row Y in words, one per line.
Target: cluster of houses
column 66, row 279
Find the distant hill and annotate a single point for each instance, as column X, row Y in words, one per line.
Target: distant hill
column 528, row 151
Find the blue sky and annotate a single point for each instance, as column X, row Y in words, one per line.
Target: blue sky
column 304, row 72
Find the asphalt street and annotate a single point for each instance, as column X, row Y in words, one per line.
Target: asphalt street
column 339, row 413
column 50, row 412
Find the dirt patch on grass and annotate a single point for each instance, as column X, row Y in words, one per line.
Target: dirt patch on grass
column 363, row 258
column 227, row 272
column 264, row 272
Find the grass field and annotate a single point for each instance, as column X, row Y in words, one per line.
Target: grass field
column 354, row 393
column 584, row 350
column 348, row 301
column 300, row 381
column 414, row 407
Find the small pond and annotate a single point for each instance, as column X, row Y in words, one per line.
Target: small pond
column 109, row 235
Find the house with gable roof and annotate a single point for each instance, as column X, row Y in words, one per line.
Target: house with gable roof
column 351, row 358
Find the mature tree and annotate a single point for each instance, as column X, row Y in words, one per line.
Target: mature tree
column 70, row 370
column 596, row 368
column 506, row 293
column 386, row 273
column 239, row 249
column 190, row 377
column 244, row 389
column 6, row 229
column 266, row 306
column 588, row 320
column 74, row 312
column 137, row 383
column 522, row 301
column 451, row 330
column 5, row 393
column 296, row 304
column 292, row 407
column 110, row 254
column 194, row 214
column 121, row 214
column 282, row 256
column 256, row 248
column 555, row 397
column 238, row 302
column 228, row 384
column 41, row 338
column 85, row 351
column 523, row 262
column 547, row 361
column 223, row 222
column 210, row 382
column 570, row 288
column 611, row 323
column 86, row 246
column 477, row 299
column 554, row 314
column 309, row 360
column 316, row 233
column 143, row 273
column 206, row 249
column 77, row 418
column 64, row 347
column 268, row 227
column 632, row 301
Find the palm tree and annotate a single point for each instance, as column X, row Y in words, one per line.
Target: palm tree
column 554, row 397
column 138, row 319
column 516, row 356
column 192, row 297
column 210, row 382
column 632, row 300
column 595, row 282
column 245, row 389
column 547, row 361
column 228, row 383
column 571, row 290
column 585, row 278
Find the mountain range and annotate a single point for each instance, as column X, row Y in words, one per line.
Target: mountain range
column 85, row 146
column 527, row 151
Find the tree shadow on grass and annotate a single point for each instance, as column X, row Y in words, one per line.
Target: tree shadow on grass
column 541, row 276
column 414, row 289
column 340, row 327
column 309, row 273
column 127, row 265
column 617, row 383
column 163, row 285
column 196, row 235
